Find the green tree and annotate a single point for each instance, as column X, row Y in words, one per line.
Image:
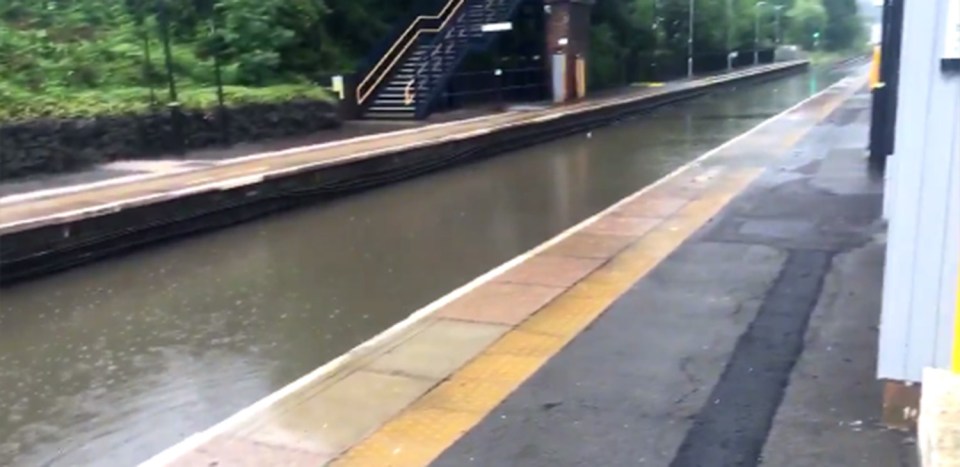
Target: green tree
column 844, row 26
column 807, row 17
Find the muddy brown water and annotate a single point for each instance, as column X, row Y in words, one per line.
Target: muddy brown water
column 111, row 363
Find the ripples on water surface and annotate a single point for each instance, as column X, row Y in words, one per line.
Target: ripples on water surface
column 112, row 362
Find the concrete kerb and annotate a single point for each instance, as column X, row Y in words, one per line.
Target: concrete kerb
column 417, row 321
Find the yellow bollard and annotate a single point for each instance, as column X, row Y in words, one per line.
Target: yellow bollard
column 581, row 78
column 875, row 68
column 955, row 354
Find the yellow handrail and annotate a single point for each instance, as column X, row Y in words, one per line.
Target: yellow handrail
column 361, row 95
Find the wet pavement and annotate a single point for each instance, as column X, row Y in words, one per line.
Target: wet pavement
column 110, row 363
column 753, row 344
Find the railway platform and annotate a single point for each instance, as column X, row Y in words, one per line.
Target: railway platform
column 726, row 315
column 51, row 229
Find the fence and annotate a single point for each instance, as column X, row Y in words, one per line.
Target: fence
column 524, row 79
column 666, row 66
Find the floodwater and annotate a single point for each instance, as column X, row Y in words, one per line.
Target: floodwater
column 111, row 363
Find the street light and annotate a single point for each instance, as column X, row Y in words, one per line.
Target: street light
column 756, row 32
column 690, row 42
column 778, row 9
column 656, row 38
column 729, row 17
column 756, row 28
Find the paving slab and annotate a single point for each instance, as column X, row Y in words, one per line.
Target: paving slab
column 438, row 350
column 584, row 245
column 554, row 271
column 238, row 452
column 627, row 226
column 501, row 303
column 329, row 420
column 655, row 207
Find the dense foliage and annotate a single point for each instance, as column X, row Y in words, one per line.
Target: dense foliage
column 628, row 34
column 87, row 57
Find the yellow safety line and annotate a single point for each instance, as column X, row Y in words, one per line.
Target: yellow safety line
column 426, row 428
column 361, row 96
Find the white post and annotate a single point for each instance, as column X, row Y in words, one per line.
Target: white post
column 729, row 15
column 756, row 32
column 690, row 41
column 778, row 37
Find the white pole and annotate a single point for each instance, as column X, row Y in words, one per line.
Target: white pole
column 729, row 15
column 756, row 32
column 779, row 37
column 690, row 42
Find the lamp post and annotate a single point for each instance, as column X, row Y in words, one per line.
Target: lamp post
column 656, row 39
column 729, row 40
column 756, row 32
column 778, row 9
column 690, row 41
column 176, row 124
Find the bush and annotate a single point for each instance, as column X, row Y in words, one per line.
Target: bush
column 84, row 58
column 17, row 104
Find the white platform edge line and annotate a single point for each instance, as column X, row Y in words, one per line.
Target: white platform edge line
column 263, row 155
column 170, row 454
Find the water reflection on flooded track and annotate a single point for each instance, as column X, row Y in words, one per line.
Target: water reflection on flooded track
column 111, row 363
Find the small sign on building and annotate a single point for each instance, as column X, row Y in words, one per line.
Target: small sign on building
column 497, row 27
column 336, row 85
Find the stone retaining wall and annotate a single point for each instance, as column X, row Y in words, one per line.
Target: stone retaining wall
column 57, row 145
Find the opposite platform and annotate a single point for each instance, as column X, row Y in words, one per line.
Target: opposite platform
column 46, row 231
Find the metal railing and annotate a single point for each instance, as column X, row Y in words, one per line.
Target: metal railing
column 448, row 52
column 495, row 86
column 421, row 25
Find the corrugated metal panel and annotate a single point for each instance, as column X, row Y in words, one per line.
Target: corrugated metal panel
column 924, row 231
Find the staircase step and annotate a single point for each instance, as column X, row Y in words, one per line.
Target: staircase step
column 372, row 116
column 391, row 111
column 435, row 59
column 395, row 109
column 395, row 88
column 399, row 101
column 393, row 93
